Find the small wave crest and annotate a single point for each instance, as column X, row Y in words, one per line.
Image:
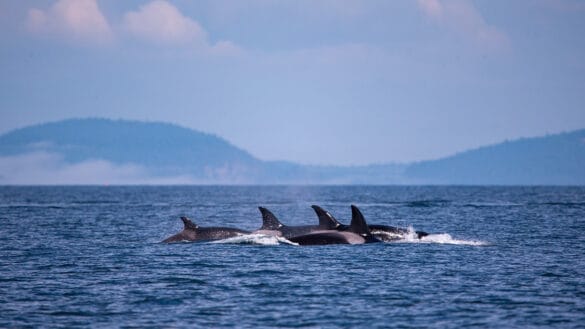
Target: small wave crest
column 442, row 238
column 257, row 239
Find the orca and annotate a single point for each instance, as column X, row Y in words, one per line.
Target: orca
column 272, row 226
column 382, row 232
column 193, row 232
column 356, row 233
column 391, row 233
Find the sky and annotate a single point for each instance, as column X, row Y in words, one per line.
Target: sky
column 315, row 82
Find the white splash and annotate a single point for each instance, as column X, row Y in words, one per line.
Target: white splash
column 443, row 238
column 257, row 239
column 447, row 239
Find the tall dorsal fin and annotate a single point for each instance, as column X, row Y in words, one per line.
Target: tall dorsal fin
column 325, row 218
column 358, row 222
column 189, row 225
column 269, row 221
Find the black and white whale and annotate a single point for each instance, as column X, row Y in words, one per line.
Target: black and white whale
column 272, row 226
column 193, row 232
column 382, row 232
column 324, row 233
column 355, row 233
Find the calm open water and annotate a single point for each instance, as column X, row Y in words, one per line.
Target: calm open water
column 90, row 256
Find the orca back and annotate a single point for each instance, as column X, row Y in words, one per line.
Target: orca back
column 189, row 224
column 326, row 220
column 359, row 226
column 269, row 221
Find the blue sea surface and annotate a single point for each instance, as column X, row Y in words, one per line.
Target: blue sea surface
column 499, row 257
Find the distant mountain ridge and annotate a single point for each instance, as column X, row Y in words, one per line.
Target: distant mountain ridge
column 168, row 150
column 119, row 141
column 550, row 160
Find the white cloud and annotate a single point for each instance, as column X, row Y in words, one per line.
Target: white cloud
column 161, row 23
column 43, row 168
column 225, row 48
column 432, row 8
column 463, row 18
column 80, row 20
column 157, row 22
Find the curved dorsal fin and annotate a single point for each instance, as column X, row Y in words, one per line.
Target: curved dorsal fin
column 189, row 225
column 358, row 222
column 269, row 221
column 325, row 218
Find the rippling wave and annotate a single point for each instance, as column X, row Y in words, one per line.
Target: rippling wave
column 496, row 257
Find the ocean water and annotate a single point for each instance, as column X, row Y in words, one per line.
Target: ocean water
column 499, row 257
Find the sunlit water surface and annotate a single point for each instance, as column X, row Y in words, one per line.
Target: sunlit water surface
column 90, row 256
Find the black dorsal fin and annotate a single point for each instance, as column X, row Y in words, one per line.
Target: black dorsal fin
column 358, row 222
column 189, row 225
column 269, row 221
column 325, row 218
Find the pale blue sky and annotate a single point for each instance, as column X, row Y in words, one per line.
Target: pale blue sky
column 320, row 82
